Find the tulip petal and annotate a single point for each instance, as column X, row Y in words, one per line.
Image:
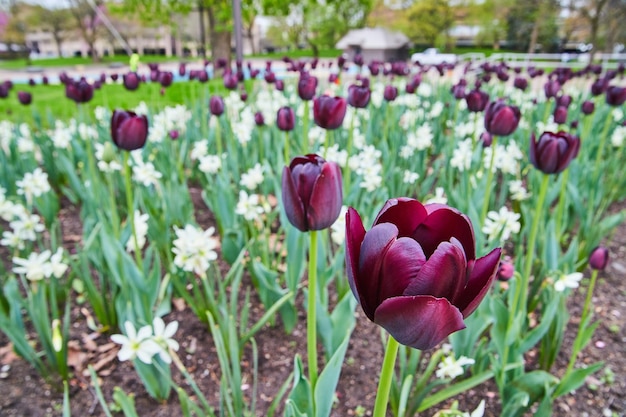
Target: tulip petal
column 443, row 275
column 483, row 274
column 442, row 224
column 401, row 264
column 326, row 198
column 355, row 233
column 406, row 213
column 294, row 209
column 421, row 322
column 373, row 250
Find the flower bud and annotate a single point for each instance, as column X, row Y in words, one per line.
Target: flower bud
column 599, row 258
column 216, row 105
column 501, row 119
column 564, row 100
column 129, row 131
column 279, row 85
column 259, row 119
column 359, row 96
column 553, row 152
column 390, row 93
column 560, row 115
column 615, row 96
column 476, row 100
column 599, row 86
column 80, row 92
column 24, row 97
column 166, row 78
column 131, row 81
column 520, row 83
column 506, row 269
column 551, row 88
column 230, row 81
column 285, row 119
column 588, row 107
column 328, row 112
column 306, row 86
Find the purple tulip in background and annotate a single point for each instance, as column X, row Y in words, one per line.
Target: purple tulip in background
column 415, row 272
column 551, row 88
column 279, row 85
column 4, row 91
column 79, row 91
column 259, row 119
column 182, row 69
column 285, row 119
column 506, row 270
column 216, row 105
column 131, row 81
column 390, row 93
column 588, row 107
column 328, row 112
column 615, row 96
column 476, row 100
column 599, row 258
column 520, row 83
column 560, row 115
column 501, row 119
column 599, row 86
column 166, row 78
column 553, row 152
column 114, row 77
column 129, row 131
column 311, row 192
column 359, row 96
column 202, row 76
column 24, row 97
column 230, row 80
column 306, row 86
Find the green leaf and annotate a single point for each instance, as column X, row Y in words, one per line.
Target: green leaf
column 575, row 379
column 300, row 395
column 125, row 402
column 534, row 384
column 327, row 381
column 538, row 332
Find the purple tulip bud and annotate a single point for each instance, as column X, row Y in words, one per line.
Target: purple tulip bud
column 564, row 100
column 285, row 119
column 476, row 100
column 131, row 81
column 259, row 119
column 487, row 139
column 306, row 86
column 615, row 96
column 506, row 269
column 182, row 69
column 31, row 82
column 80, row 92
column 128, row 130
column 203, row 76
column 328, row 112
column 154, row 76
column 501, row 119
column 588, row 107
column 333, row 78
column 114, row 77
column 230, row 81
column 153, row 66
column 358, row 60
column 341, row 61
column 520, row 83
column 243, row 95
column 551, row 88
column 166, row 78
column 359, row 96
column 599, row 258
column 270, row 77
column 599, row 86
column 458, row 91
column 574, row 124
column 560, row 115
column 24, row 97
column 390, row 93
column 4, row 91
column 279, row 85
column 553, row 152
column 174, row 134
column 216, row 105
column 311, row 192
column 415, row 272
column 46, row 81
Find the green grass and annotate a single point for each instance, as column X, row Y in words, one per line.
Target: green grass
column 20, row 64
column 49, row 101
column 300, row 53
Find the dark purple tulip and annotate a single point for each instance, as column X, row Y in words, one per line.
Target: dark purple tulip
column 153, row 66
column 486, row 139
column 311, row 192
column 128, row 130
column 31, row 82
column 486, row 78
column 458, row 91
column 341, row 61
column 270, row 77
column 615, row 96
column 306, row 86
column 202, row 76
column 285, row 119
column 154, row 76
column 24, row 97
column 551, row 88
column 564, row 100
column 8, row 84
column 279, row 85
column 254, row 73
column 599, row 258
column 182, row 69
column 374, row 68
column 599, row 86
column 328, row 112
column 415, row 272
column 64, row 78
column 560, row 115
column 166, row 78
column 79, row 91
column 333, row 78
column 501, row 119
column 574, row 124
column 131, row 81
column 520, row 83
column 4, row 91
column 174, row 134
column 502, row 76
column 103, row 78
column 114, row 77
column 390, row 93
column 259, row 119
column 553, row 152
column 243, row 95
column 230, row 81
column 506, row 269
column 45, row 80
column 358, row 60
column 588, row 107
column 476, row 100
column 216, row 105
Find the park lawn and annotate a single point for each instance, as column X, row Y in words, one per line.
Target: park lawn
column 49, row 102
column 23, row 63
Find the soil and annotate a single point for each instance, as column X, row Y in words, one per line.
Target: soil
column 24, row 393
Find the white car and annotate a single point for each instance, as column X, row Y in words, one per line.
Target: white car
column 432, row 56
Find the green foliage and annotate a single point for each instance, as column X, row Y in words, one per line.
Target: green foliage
column 426, row 20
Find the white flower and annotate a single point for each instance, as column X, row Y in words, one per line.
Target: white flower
column 200, row 149
column 478, row 412
column 501, row 223
column 517, row 190
column 438, row 198
column 462, row 155
column 27, row 226
column 451, row 368
column 107, row 161
column 11, row 240
column 253, row 177
column 410, row 177
column 141, row 230
column 146, row 174
column 194, row 249
column 35, row 267
column 136, row 344
column 163, row 336
column 618, row 114
column 422, row 138
column 34, row 184
column 618, row 136
column 210, row 164
column 56, row 266
column 338, row 229
column 333, row 154
column 371, row 177
column 568, row 281
column 248, row 206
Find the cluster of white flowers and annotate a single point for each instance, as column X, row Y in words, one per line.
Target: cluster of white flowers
column 618, row 114
column 252, row 178
column 144, row 172
column 334, row 154
column 338, row 229
column 61, row 135
column 501, row 224
column 618, row 136
column 449, row 367
column 102, row 115
column 107, row 157
column 268, row 101
column 438, row 198
column 243, row 126
column 410, row 177
column 194, row 249
column 199, row 149
column 34, row 184
column 41, row 265
column 249, row 206
column 568, row 281
column 24, row 225
column 517, row 190
column 83, row 131
column 210, row 164
column 462, row 155
column 436, row 110
column 507, row 158
column 147, row 342
column 419, row 140
column 367, row 165
column 7, row 130
column 141, row 231
column 171, row 118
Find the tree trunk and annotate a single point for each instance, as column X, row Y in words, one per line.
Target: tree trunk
column 202, row 30
column 219, row 39
column 58, row 41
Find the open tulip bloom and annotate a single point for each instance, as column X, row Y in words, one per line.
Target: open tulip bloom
column 415, row 272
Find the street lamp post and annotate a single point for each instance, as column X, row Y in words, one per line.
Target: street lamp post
column 238, row 30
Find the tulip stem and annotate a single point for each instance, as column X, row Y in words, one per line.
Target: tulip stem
column 114, row 215
column 286, row 148
column 483, row 212
column 311, row 321
column 305, row 128
column 561, row 207
column 218, row 138
column 131, row 211
column 386, row 375
column 584, row 318
column 605, row 131
column 346, row 175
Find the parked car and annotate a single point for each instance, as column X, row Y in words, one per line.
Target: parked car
column 576, row 52
column 432, row 56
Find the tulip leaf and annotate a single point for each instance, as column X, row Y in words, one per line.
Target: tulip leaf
column 535, row 384
column 575, row 379
column 333, row 327
column 125, row 402
column 551, row 249
column 538, row 332
column 300, row 396
column 327, row 381
column 499, row 329
column 270, row 291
